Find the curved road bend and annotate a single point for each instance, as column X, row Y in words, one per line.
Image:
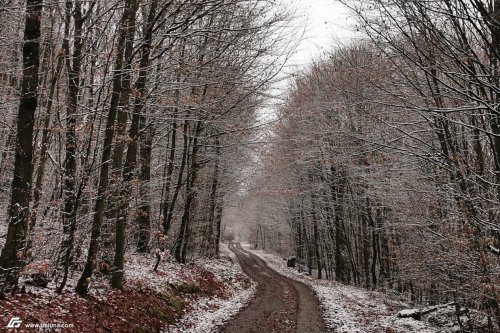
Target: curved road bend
column 281, row 305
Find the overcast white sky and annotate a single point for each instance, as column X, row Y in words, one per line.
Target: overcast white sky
column 326, row 23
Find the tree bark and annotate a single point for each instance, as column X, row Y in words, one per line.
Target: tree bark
column 12, row 256
column 131, row 160
column 69, row 194
column 171, row 205
column 317, row 251
column 44, row 145
column 83, row 283
column 168, row 206
column 183, row 236
column 143, row 216
column 218, row 227
column 120, row 174
column 214, row 224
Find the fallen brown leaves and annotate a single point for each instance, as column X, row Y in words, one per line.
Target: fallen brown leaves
column 136, row 309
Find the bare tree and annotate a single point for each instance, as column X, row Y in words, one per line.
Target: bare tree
column 13, row 253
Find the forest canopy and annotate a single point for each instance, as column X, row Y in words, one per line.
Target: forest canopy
column 121, row 126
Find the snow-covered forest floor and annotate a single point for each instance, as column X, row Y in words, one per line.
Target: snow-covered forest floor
column 211, row 313
column 349, row 309
column 196, row 297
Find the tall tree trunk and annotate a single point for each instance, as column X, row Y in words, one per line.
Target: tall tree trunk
column 339, row 244
column 167, row 214
column 170, row 169
column 337, row 192
column 8, row 147
column 83, row 283
column 120, row 184
column 218, row 227
column 185, row 148
column 183, row 236
column 69, row 194
column 12, row 256
column 44, row 144
column 214, row 229
column 317, row 251
column 373, row 267
column 365, row 244
column 131, row 159
column 111, row 222
column 143, row 216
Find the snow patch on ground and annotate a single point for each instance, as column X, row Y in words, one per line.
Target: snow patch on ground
column 210, row 314
column 140, row 268
column 195, row 297
column 349, row 309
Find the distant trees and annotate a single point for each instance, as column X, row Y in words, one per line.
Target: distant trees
column 386, row 166
column 333, row 148
column 131, row 129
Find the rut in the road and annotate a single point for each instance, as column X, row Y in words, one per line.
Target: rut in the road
column 280, row 305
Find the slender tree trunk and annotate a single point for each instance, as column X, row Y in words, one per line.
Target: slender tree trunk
column 83, row 282
column 131, row 159
column 218, row 222
column 317, row 252
column 111, row 223
column 171, row 205
column 168, row 206
column 366, row 249
column 120, row 184
column 214, row 230
column 168, row 178
column 69, row 194
column 12, row 256
column 143, row 216
column 44, row 145
column 7, row 150
column 183, row 236
column 373, row 267
column 336, row 192
column 339, row 243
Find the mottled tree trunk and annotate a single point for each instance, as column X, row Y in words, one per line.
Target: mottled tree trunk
column 12, row 256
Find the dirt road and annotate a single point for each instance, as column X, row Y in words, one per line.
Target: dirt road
column 280, row 304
